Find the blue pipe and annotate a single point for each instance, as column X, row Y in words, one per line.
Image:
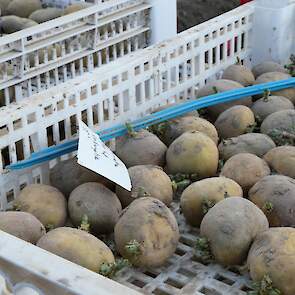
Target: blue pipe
column 161, row 116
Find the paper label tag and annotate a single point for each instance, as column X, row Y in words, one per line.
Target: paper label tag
column 96, row 156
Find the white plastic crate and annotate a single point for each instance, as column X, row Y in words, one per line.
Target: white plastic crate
column 48, row 54
column 127, row 89
column 28, row 270
column 123, row 90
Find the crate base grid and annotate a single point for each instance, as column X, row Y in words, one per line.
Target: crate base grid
column 129, row 84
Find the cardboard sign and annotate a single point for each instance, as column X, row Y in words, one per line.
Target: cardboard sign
column 96, row 156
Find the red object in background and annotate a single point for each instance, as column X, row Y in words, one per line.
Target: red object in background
column 244, row 1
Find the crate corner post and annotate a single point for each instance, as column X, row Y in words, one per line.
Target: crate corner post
column 163, row 20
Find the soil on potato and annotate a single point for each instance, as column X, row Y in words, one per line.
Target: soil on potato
column 193, row 12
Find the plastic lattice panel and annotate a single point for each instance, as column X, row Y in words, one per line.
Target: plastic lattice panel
column 185, row 274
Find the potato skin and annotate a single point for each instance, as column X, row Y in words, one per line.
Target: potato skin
column 282, row 160
column 279, row 121
column 222, row 86
column 45, row 202
column 193, row 153
column 27, row 23
column 234, row 121
column 252, row 143
column 239, row 73
column 23, row 8
column 45, row 14
column 276, row 76
column 144, row 148
column 147, row 180
column 174, row 128
column 273, row 254
column 246, row 169
column 231, row 226
column 149, row 222
column 266, row 106
column 77, row 246
column 213, row 189
column 279, row 191
column 23, row 225
column 100, row 204
column 67, row 175
column 3, row 6
column 267, row 67
column 11, row 24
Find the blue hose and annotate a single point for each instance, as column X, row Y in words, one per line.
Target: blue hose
column 161, row 116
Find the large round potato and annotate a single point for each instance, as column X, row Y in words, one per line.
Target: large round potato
column 147, row 181
column 77, row 246
column 46, row 14
column 252, row 143
column 275, row 195
column 193, row 153
column 67, row 175
column 98, row 203
column 11, row 24
column 45, row 202
column 246, row 169
column 174, row 128
column 218, row 86
column 282, row 160
column 267, row 67
column 151, row 228
column 266, row 106
column 230, row 227
column 23, row 8
column 277, row 76
column 201, row 196
column 22, row 225
column 239, row 73
column 279, row 123
column 142, row 148
column 273, row 254
column 234, row 121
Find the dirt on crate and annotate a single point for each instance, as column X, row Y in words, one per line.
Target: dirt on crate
column 193, row 12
